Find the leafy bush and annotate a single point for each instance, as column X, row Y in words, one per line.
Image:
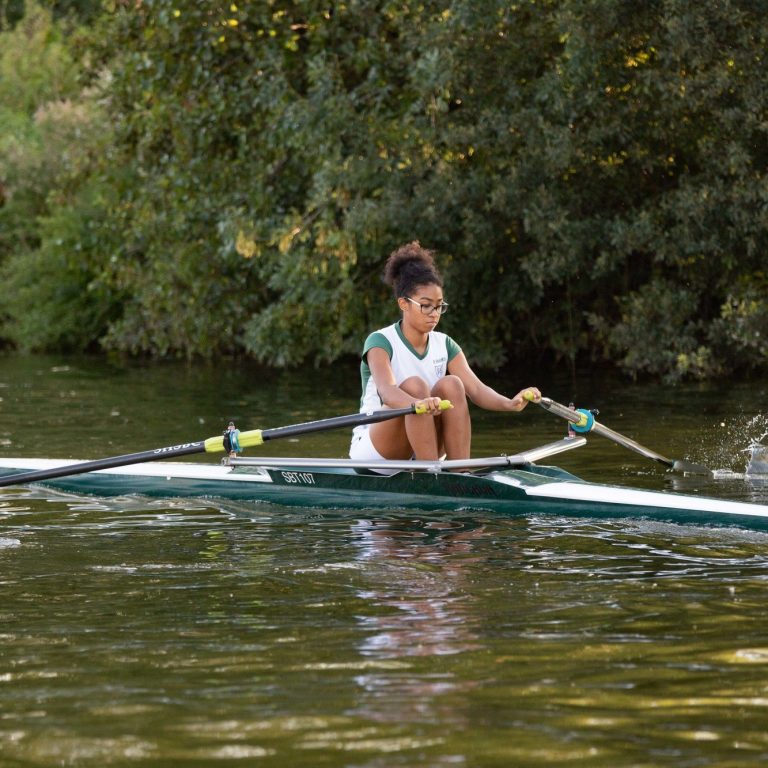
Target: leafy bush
column 593, row 175
column 53, row 137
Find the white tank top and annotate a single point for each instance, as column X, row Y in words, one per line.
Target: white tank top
column 406, row 362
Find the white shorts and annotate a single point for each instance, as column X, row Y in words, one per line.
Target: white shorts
column 361, row 448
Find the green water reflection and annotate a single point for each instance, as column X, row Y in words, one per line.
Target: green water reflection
column 154, row 633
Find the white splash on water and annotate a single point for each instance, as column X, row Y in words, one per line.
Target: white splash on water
column 758, row 460
column 727, row 442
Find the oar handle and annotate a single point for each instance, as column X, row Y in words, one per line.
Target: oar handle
column 421, row 409
column 582, row 420
column 254, row 437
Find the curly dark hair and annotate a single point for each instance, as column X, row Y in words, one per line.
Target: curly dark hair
column 410, row 266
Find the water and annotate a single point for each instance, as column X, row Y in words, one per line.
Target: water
column 139, row 632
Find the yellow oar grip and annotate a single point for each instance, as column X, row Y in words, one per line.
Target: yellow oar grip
column 529, row 396
column 246, row 440
column 444, row 406
column 251, row 438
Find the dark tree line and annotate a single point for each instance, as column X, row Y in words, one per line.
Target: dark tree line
column 205, row 179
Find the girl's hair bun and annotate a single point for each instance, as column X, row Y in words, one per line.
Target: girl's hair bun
column 410, row 266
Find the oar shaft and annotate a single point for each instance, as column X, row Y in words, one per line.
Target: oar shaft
column 255, row 437
column 339, row 422
column 108, row 463
column 577, row 417
column 215, row 444
column 632, row 445
column 580, row 419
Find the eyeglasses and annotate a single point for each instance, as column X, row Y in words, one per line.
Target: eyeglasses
column 428, row 309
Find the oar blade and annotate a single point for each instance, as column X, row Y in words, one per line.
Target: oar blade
column 690, row 468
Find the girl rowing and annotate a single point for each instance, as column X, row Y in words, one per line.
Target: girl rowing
column 410, row 362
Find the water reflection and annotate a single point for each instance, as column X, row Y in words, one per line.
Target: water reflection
column 300, row 639
column 419, row 568
column 421, row 608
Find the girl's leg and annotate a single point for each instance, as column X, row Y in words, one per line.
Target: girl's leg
column 410, row 435
column 454, row 425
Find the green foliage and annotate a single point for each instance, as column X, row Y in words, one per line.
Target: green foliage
column 36, row 65
column 10, row 12
column 40, row 126
column 655, row 174
column 659, row 334
column 741, row 332
column 592, row 173
column 52, row 139
column 51, row 293
column 35, row 70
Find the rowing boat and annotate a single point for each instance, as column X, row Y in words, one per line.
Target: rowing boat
column 510, row 485
column 507, row 485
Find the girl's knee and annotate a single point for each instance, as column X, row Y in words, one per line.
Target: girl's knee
column 450, row 388
column 415, row 386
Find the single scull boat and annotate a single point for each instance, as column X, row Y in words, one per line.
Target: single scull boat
column 508, row 485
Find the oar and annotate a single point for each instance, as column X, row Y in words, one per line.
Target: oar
column 216, row 444
column 584, row 421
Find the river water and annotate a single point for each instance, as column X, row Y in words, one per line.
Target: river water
column 137, row 632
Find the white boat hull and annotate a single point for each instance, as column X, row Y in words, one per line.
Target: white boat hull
column 525, row 490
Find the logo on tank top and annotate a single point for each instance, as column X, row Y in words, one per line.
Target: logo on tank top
column 440, row 364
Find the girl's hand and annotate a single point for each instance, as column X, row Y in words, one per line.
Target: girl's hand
column 431, row 405
column 525, row 396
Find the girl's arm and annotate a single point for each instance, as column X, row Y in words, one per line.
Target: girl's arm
column 391, row 395
column 481, row 394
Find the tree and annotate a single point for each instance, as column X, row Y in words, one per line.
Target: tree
column 592, row 173
column 52, row 139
